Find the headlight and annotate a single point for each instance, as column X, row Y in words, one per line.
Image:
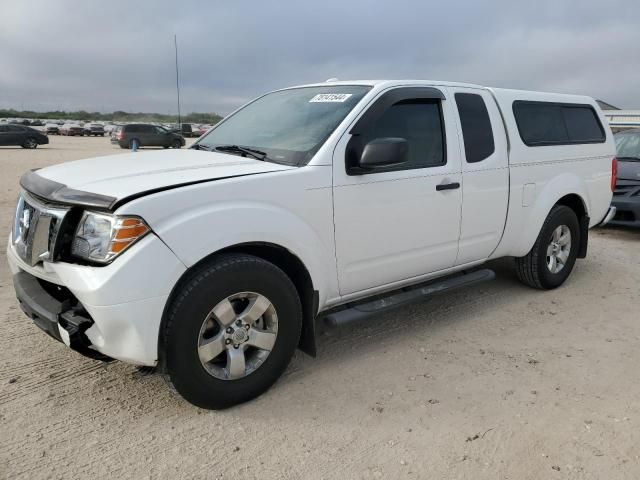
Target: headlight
column 101, row 237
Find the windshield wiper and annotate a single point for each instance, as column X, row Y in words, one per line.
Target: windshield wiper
column 633, row 159
column 198, row 146
column 252, row 152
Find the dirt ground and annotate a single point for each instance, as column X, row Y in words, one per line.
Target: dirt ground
column 493, row 382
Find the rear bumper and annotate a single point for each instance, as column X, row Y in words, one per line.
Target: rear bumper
column 627, row 212
column 607, row 218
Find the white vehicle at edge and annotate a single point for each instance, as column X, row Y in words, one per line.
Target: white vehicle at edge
column 213, row 263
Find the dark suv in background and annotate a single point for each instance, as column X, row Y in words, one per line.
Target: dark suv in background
column 626, row 197
column 146, row 136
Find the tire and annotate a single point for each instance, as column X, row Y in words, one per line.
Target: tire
column 537, row 269
column 30, row 143
column 176, row 144
column 212, row 384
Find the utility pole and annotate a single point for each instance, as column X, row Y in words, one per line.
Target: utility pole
column 175, row 43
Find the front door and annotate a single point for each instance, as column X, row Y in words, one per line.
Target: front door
column 399, row 222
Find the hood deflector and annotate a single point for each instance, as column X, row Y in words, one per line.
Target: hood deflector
column 56, row 192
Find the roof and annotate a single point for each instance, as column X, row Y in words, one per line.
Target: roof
column 385, row 83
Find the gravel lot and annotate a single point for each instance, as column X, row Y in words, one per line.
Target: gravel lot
column 496, row 381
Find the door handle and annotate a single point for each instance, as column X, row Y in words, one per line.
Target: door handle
column 447, row 186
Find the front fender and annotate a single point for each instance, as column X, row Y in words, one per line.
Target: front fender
column 211, row 228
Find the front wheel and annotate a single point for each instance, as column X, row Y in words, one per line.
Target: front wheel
column 552, row 257
column 231, row 331
column 176, row 144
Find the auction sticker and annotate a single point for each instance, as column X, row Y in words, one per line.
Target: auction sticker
column 330, row 97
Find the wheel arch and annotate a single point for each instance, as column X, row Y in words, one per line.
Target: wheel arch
column 284, row 259
column 566, row 189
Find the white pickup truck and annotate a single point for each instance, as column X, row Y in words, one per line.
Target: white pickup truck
column 336, row 200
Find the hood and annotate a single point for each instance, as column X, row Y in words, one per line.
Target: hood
column 629, row 170
column 112, row 179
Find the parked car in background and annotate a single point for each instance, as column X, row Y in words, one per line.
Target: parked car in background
column 195, row 130
column 108, row 128
column 338, row 201
column 146, row 135
column 203, row 129
column 626, row 197
column 71, row 129
column 95, row 129
column 19, row 135
column 185, row 129
column 37, row 123
column 52, row 129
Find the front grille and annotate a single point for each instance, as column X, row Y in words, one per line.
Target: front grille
column 35, row 229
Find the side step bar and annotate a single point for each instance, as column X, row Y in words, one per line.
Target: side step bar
column 363, row 311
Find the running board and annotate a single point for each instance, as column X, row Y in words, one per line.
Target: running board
column 401, row 298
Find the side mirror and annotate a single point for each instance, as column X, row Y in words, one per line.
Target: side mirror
column 384, row 152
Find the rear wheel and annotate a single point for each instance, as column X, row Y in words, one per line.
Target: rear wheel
column 552, row 257
column 231, row 331
column 30, row 143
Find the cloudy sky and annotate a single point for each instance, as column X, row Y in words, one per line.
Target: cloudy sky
column 118, row 54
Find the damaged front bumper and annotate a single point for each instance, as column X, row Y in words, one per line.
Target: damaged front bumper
column 112, row 311
column 60, row 316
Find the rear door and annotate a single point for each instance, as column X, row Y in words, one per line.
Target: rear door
column 5, row 135
column 148, row 136
column 485, row 173
column 17, row 134
column 398, row 223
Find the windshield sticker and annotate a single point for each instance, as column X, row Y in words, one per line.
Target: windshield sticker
column 330, row 97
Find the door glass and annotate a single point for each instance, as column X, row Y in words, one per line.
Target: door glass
column 476, row 127
column 419, row 122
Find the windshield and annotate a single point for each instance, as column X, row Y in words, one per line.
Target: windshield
column 289, row 126
column 628, row 145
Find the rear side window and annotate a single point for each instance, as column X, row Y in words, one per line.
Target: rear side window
column 546, row 123
column 476, row 127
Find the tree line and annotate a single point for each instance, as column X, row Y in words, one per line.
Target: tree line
column 117, row 116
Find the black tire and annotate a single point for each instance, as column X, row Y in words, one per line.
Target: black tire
column 219, row 278
column 533, row 269
column 176, row 143
column 30, row 143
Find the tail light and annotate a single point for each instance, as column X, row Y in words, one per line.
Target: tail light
column 121, row 135
column 614, row 173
